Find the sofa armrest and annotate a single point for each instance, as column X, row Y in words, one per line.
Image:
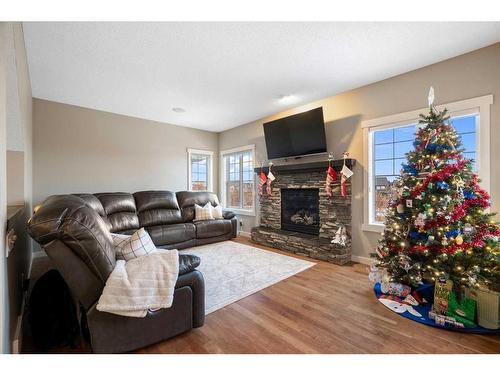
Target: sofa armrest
column 228, row 214
column 188, row 263
column 195, row 281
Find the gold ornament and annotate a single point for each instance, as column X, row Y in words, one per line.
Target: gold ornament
column 459, row 240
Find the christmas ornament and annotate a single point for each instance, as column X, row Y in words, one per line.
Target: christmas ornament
column 459, row 240
column 420, row 220
column 400, row 208
column 442, row 185
column 409, row 203
column 468, row 229
column 430, row 98
column 404, row 262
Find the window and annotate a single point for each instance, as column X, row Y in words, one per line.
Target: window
column 388, row 139
column 238, row 179
column 199, row 170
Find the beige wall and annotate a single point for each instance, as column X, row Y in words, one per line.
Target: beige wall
column 15, row 178
column 83, row 150
column 470, row 75
column 13, row 61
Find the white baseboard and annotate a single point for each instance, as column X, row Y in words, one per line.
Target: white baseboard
column 362, row 260
column 244, row 234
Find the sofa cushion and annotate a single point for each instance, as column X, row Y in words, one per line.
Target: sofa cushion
column 157, row 208
column 217, row 212
column 172, row 233
column 120, row 211
column 212, row 228
column 203, row 213
column 92, row 201
column 130, row 247
column 187, row 200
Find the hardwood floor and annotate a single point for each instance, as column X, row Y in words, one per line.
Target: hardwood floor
column 325, row 309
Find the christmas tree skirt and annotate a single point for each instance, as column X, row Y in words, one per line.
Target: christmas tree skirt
column 420, row 313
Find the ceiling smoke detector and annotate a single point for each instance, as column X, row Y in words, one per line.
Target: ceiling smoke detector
column 178, row 110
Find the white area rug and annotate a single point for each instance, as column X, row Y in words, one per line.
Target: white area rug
column 233, row 271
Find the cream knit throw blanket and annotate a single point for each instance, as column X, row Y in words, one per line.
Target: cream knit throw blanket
column 141, row 284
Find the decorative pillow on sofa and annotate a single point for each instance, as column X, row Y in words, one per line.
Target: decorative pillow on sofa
column 217, row 212
column 203, row 213
column 134, row 246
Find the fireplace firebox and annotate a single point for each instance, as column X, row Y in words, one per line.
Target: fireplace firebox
column 300, row 210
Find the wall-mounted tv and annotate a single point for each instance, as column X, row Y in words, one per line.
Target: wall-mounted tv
column 296, row 135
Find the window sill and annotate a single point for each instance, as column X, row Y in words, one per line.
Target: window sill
column 239, row 211
column 373, row 227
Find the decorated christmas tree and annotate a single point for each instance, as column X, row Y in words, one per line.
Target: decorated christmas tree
column 437, row 224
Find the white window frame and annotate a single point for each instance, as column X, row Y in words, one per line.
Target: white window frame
column 193, row 151
column 223, row 178
column 479, row 105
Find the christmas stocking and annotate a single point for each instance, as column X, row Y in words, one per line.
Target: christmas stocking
column 270, row 179
column 262, row 182
column 346, row 173
column 331, row 176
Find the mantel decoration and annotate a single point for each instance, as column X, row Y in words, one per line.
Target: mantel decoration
column 439, row 236
column 270, row 179
column 266, row 180
column 262, row 180
column 340, row 236
column 346, row 173
column 331, row 175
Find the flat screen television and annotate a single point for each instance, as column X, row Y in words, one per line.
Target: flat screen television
column 296, row 135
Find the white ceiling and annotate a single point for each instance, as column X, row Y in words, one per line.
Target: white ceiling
column 228, row 74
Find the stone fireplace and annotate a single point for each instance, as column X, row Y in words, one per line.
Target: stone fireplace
column 299, row 216
column 300, row 210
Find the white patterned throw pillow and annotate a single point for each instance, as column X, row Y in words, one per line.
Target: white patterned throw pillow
column 217, row 212
column 203, row 213
column 134, row 246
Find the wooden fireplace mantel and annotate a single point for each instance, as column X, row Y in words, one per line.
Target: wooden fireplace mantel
column 304, row 167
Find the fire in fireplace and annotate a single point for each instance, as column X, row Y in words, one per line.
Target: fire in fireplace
column 300, row 210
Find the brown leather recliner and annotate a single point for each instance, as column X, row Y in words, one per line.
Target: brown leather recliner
column 74, row 230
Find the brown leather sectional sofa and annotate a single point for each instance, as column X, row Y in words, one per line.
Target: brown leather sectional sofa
column 74, row 230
